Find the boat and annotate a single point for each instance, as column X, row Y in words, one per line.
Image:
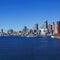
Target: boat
column 52, row 37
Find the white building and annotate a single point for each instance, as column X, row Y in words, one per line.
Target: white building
column 44, row 31
column 55, row 30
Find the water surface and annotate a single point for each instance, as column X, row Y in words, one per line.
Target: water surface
column 22, row 48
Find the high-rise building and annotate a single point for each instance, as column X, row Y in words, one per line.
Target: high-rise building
column 50, row 29
column 58, row 27
column 10, row 32
column 35, row 28
column 53, row 27
column 45, row 25
column 2, row 33
column 1, row 30
column 25, row 29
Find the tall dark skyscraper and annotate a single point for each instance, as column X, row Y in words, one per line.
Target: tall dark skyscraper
column 46, row 24
column 1, row 30
column 58, row 22
column 49, row 28
column 36, row 27
column 58, row 28
column 2, row 33
column 25, row 29
column 53, row 27
column 10, row 31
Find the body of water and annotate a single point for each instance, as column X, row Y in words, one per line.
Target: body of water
column 22, row 48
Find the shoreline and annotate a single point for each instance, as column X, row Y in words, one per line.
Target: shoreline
column 52, row 36
column 57, row 37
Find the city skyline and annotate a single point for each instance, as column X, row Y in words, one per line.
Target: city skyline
column 45, row 30
column 35, row 26
column 15, row 14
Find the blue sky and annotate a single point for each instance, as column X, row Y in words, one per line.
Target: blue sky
column 19, row 13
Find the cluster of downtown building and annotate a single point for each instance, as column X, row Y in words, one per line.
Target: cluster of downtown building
column 45, row 30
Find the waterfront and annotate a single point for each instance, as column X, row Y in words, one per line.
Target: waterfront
column 23, row 48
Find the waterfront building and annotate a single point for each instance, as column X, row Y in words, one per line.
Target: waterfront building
column 58, row 27
column 10, row 32
column 25, row 30
column 43, row 31
column 39, row 31
column 53, row 27
column 2, row 33
column 1, row 30
column 31, row 31
column 45, row 25
column 36, row 28
column 50, row 28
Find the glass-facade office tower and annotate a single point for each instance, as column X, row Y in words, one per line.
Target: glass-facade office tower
column 53, row 27
column 58, row 27
column 1, row 30
column 46, row 24
column 25, row 29
column 35, row 27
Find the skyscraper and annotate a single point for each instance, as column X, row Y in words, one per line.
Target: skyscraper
column 46, row 24
column 2, row 33
column 1, row 30
column 25, row 29
column 35, row 28
column 53, row 27
column 10, row 32
column 50, row 28
column 58, row 27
